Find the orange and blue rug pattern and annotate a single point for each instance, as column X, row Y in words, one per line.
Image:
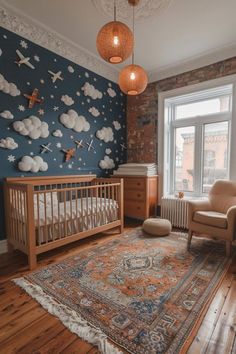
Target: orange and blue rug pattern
column 144, row 293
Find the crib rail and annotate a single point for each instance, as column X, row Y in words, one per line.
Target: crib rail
column 41, row 216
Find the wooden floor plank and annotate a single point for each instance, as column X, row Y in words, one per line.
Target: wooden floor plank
column 20, row 323
column 222, row 339
column 58, row 344
column 209, row 322
column 16, row 310
column 40, row 332
column 78, row 346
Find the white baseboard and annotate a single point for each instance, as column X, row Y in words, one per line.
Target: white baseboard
column 3, row 246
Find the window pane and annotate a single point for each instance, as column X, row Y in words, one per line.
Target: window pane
column 202, row 108
column 184, row 158
column 215, row 160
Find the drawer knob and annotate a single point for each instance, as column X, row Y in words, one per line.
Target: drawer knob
column 138, row 195
column 138, row 184
column 138, row 207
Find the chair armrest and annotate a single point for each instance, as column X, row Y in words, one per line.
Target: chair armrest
column 197, row 205
column 231, row 218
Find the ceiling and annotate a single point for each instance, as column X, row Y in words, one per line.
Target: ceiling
column 184, row 34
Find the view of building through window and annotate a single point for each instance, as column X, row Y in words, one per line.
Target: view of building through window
column 200, row 130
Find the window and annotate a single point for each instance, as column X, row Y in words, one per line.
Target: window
column 197, row 132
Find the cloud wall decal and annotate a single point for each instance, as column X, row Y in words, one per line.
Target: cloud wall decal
column 32, row 127
column 67, row 100
column 91, row 91
column 106, row 134
column 6, row 114
column 8, row 143
column 8, row 87
column 107, row 163
column 32, row 164
column 72, row 120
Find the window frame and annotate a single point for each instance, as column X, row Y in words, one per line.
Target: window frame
column 165, row 114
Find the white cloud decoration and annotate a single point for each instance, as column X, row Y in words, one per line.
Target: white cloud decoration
column 72, row 120
column 57, row 133
column 8, row 87
column 108, row 151
column 70, row 69
column 91, row 91
column 32, row 164
column 32, row 127
column 8, row 143
column 107, row 163
column 111, row 92
column 6, row 114
column 94, row 111
column 106, row 134
column 67, row 100
column 116, row 124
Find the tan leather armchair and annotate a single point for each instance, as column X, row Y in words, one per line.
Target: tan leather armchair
column 216, row 216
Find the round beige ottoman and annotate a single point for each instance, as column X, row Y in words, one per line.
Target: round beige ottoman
column 157, row 227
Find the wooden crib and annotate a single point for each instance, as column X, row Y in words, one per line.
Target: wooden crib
column 43, row 213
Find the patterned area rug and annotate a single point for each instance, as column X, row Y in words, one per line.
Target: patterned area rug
column 143, row 293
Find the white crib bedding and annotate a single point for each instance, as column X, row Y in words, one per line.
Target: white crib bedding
column 82, row 208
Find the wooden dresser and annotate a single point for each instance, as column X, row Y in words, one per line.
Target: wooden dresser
column 140, row 196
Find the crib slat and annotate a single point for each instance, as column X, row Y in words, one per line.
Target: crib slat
column 59, row 216
column 52, row 211
column 71, row 216
column 76, row 208
column 65, row 216
column 38, row 220
column 87, row 212
column 45, row 218
column 82, row 209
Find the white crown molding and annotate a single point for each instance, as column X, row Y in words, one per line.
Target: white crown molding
column 196, row 62
column 3, row 246
column 16, row 21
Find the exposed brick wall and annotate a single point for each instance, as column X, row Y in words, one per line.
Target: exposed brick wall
column 142, row 110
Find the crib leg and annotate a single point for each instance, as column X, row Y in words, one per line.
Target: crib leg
column 32, row 260
column 121, row 229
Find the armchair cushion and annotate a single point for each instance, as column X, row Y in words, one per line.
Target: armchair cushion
column 211, row 218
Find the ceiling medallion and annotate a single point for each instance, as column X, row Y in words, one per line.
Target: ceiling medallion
column 145, row 8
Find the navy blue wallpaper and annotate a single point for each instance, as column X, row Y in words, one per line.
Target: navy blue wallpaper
column 83, row 106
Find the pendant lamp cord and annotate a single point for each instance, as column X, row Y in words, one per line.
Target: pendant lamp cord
column 134, row 38
column 114, row 10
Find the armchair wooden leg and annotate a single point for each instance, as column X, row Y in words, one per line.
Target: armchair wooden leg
column 190, row 234
column 228, row 248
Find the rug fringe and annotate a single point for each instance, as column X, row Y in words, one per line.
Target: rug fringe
column 70, row 318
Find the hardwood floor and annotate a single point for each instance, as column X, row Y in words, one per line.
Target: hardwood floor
column 25, row 327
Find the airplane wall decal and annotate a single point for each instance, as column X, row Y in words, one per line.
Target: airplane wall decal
column 33, row 98
column 90, row 145
column 69, row 153
column 55, row 76
column 45, row 148
column 23, row 60
column 79, row 143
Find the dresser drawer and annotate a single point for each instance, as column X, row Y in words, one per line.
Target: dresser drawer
column 138, row 195
column 135, row 183
column 135, row 209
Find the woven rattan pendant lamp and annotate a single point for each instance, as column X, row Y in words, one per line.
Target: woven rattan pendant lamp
column 133, row 78
column 115, row 41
